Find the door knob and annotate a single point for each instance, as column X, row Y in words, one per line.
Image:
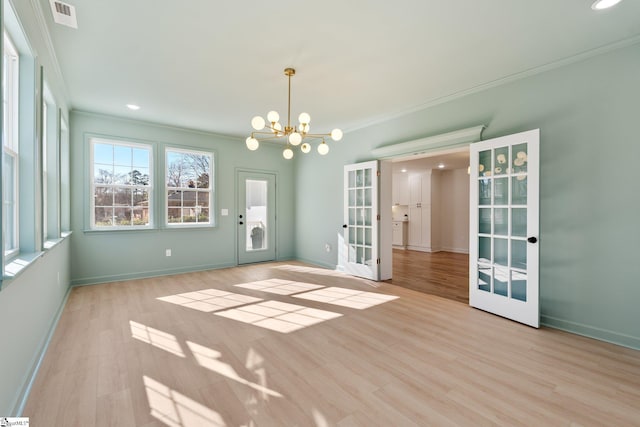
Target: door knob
column 344, row 225
column 532, row 240
column 241, row 223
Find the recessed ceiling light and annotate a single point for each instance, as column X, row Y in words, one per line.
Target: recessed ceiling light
column 403, row 170
column 604, row 4
column 133, row 107
column 441, row 166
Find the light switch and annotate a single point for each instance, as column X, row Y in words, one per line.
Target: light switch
column 224, row 212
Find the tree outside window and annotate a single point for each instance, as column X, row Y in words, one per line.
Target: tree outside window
column 121, row 185
column 188, row 176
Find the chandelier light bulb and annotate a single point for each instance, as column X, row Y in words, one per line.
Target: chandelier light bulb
column 323, row 148
column 304, row 128
column 273, row 116
column 305, row 148
column 295, row 138
column 287, row 153
column 304, row 118
column 257, row 123
column 336, row 134
column 252, row 144
column 277, row 126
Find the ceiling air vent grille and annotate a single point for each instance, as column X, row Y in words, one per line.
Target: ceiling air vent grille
column 64, row 13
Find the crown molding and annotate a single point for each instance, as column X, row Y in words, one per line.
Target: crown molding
column 582, row 56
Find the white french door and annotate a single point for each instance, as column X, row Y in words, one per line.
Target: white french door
column 504, row 226
column 256, row 217
column 359, row 250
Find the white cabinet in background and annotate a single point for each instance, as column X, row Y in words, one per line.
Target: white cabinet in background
column 420, row 189
column 399, row 237
column 420, row 211
column 400, row 189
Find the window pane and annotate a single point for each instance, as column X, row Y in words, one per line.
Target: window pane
column 103, row 153
column 122, row 155
column 122, row 190
column 140, row 158
column 187, row 176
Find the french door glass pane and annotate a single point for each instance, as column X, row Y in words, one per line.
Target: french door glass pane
column 519, row 254
column 484, row 249
column 519, row 190
column 484, row 163
column 519, row 158
column 501, row 165
column 484, row 221
column 500, row 254
column 501, row 191
column 501, row 221
column 484, row 278
column 484, row 191
column 501, row 281
column 519, row 285
column 518, row 222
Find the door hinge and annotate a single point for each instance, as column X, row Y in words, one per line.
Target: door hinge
column 378, row 217
column 377, row 173
column 378, row 261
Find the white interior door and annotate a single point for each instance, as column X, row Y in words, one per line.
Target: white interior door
column 256, row 217
column 359, row 249
column 503, row 249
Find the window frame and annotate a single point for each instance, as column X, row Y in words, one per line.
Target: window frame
column 149, row 187
column 210, row 189
column 11, row 142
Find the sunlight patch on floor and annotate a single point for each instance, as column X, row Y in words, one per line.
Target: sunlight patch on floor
column 347, row 297
column 177, row 410
column 210, row 359
column 279, row 286
column 209, row 300
column 278, row 316
column 156, row 338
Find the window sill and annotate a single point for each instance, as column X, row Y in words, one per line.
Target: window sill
column 18, row 264
column 22, row 261
column 187, row 226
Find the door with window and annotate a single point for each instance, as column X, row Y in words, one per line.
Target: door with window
column 503, row 252
column 359, row 248
column 256, row 217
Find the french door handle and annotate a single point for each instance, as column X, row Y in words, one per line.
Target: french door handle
column 532, row 240
column 241, row 223
column 344, row 225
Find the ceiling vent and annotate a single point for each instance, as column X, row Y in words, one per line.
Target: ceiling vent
column 64, row 13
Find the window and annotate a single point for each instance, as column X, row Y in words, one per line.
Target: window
column 50, row 167
column 10, row 69
column 188, row 187
column 121, row 185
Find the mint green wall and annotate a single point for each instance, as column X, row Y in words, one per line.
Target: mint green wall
column 590, row 157
column 29, row 307
column 108, row 256
column 31, row 302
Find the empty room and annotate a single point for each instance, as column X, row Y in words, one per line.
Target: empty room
column 320, row 213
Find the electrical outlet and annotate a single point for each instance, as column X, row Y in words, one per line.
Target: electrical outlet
column 167, row 252
column 327, row 247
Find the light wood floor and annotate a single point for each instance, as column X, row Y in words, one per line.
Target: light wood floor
column 121, row 357
column 445, row 274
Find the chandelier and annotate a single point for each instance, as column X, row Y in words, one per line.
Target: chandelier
column 293, row 135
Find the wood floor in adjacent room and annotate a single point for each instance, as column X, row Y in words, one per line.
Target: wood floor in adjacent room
column 285, row 344
column 445, row 274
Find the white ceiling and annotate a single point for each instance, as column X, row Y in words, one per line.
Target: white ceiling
column 213, row 65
